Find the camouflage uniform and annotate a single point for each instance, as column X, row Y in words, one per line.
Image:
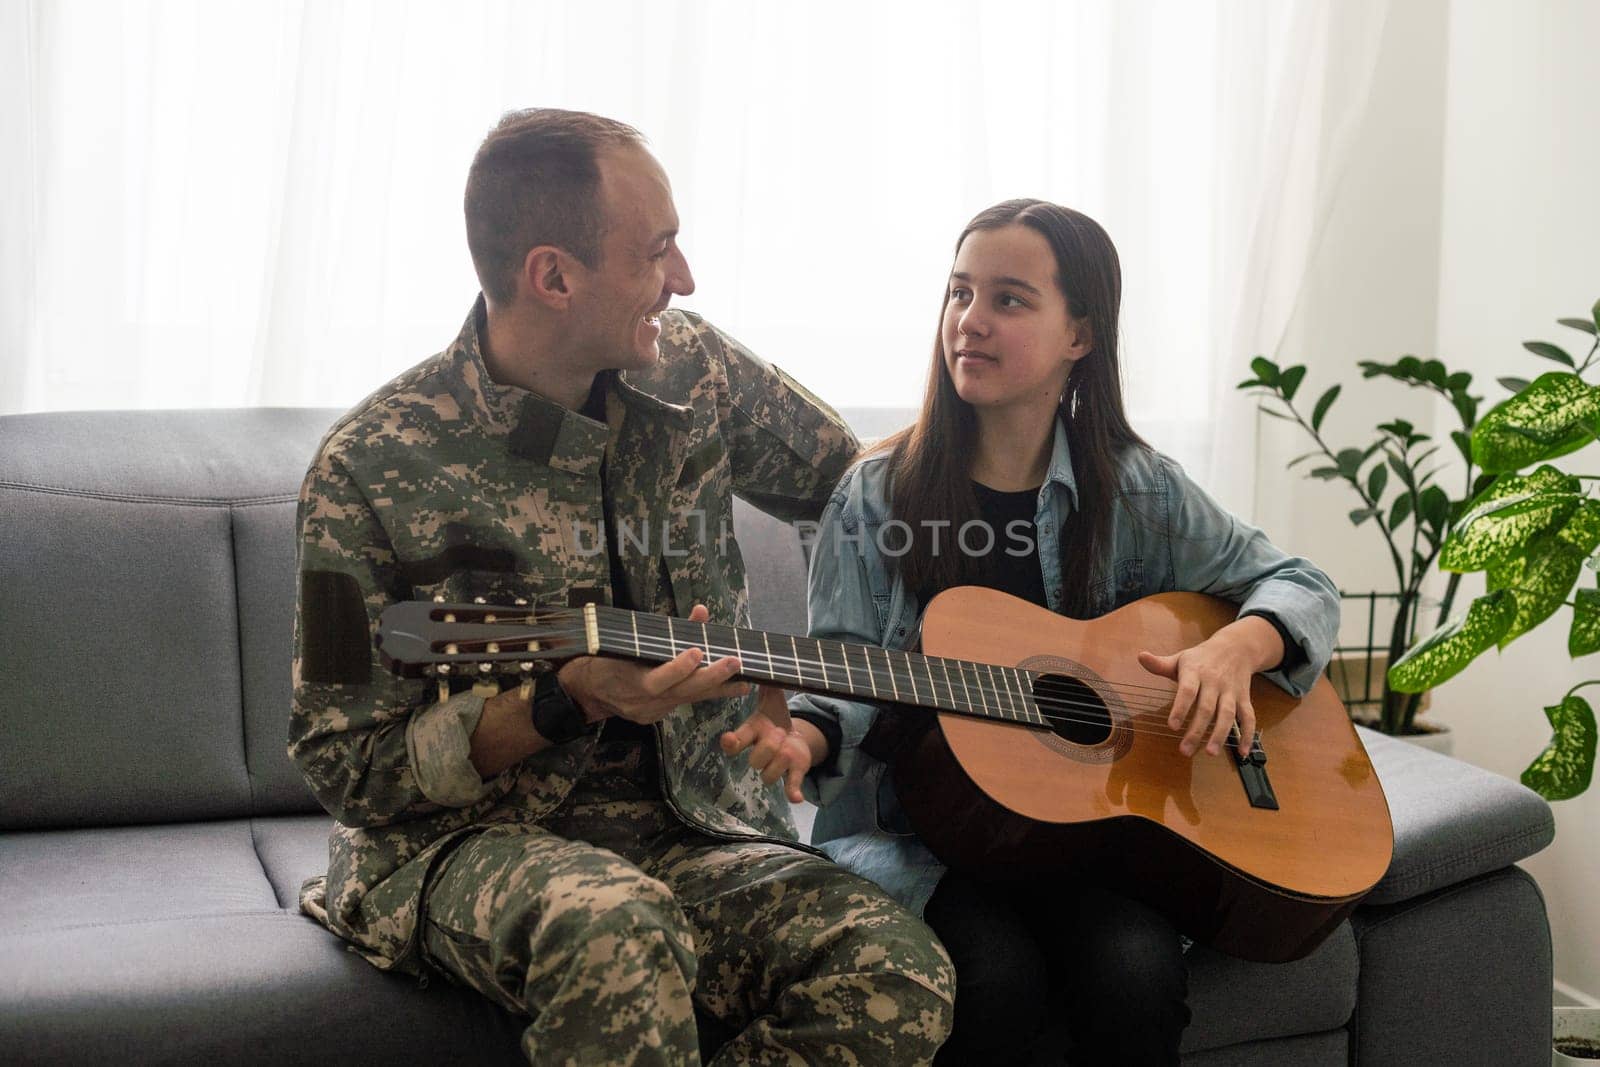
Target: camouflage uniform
column 594, row 886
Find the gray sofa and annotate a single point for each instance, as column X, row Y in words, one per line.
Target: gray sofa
column 153, row 833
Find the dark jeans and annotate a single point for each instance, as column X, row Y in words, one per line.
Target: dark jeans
column 1059, row 974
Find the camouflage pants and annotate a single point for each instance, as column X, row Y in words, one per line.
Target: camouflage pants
column 612, row 922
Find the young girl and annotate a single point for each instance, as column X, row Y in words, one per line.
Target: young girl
column 1022, row 427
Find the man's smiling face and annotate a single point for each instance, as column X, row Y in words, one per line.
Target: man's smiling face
column 640, row 268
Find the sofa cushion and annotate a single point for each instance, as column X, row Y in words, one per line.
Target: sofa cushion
column 59, row 879
column 263, row 987
column 119, row 658
column 140, row 606
column 1452, row 821
column 1459, row 976
column 1233, row 1001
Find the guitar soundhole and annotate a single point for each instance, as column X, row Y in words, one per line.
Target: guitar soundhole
column 1074, row 711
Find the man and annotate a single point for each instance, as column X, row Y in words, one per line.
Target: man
column 586, row 854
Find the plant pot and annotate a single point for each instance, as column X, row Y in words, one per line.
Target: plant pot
column 1431, row 736
column 1358, row 679
column 1576, row 1037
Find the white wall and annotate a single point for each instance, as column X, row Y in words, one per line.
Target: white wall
column 1467, row 224
column 1521, row 246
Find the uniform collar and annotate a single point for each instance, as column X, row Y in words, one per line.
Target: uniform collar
column 536, row 427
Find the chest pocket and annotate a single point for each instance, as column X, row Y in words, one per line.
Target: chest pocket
column 1123, row 585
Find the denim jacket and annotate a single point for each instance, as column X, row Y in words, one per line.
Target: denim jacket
column 1167, row 534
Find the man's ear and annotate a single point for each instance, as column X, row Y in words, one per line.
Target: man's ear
column 547, row 276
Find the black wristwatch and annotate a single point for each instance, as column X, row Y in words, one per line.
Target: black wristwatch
column 555, row 714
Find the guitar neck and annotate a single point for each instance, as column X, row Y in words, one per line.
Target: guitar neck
column 830, row 668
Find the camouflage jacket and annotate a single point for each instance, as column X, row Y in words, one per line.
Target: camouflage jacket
column 444, row 482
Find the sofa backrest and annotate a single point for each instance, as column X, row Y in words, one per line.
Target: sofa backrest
column 146, row 610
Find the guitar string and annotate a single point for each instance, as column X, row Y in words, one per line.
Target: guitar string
column 1001, row 697
column 1159, row 696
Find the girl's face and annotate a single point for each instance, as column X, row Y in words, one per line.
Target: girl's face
column 1009, row 340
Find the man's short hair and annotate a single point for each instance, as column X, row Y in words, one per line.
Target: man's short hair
column 536, row 181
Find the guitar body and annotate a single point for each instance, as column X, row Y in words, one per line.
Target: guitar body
column 1129, row 810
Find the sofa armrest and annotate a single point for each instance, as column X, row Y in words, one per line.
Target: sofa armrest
column 1452, row 821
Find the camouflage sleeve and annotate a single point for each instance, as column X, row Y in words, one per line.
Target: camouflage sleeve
column 373, row 747
column 786, row 447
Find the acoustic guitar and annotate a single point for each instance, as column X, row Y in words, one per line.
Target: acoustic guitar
column 1050, row 755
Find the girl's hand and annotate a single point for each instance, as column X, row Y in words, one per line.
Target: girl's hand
column 1214, row 682
column 779, row 747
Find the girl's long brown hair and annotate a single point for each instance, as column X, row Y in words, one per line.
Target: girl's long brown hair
column 929, row 461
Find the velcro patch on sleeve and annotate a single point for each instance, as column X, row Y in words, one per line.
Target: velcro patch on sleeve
column 335, row 644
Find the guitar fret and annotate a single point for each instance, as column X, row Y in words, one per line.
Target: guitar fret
column 794, row 647
column 889, row 663
column 822, row 663
column 944, row 665
column 766, row 644
column 633, row 623
column 1030, row 707
column 1005, row 712
column 844, row 657
column 911, row 676
column 961, row 672
column 866, row 663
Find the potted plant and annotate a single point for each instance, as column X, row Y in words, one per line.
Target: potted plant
column 1395, row 478
column 1534, row 529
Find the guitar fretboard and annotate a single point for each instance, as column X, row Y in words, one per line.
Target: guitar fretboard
column 830, row 667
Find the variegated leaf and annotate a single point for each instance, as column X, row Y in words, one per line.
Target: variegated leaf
column 1549, row 418
column 1447, row 651
column 1506, row 515
column 1584, row 636
column 1563, row 770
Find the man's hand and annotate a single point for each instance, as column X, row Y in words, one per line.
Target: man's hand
column 1214, row 682
column 779, row 747
column 604, row 687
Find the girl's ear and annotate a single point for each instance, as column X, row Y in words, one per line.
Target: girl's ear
column 1080, row 339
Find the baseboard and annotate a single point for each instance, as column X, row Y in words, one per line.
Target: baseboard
column 1566, row 996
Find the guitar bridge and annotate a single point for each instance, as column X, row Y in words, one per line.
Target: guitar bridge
column 1253, row 772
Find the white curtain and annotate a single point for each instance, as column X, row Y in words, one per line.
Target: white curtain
column 213, row 203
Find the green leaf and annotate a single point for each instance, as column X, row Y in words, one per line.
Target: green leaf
column 1324, row 402
column 1594, row 313
column 1447, row 651
column 1584, row 637
column 1361, row 515
column 1541, row 576
column 1266, row 370
column 1547, row 419
column 1275, row 414
column 1458, row 381
column 1349, row 462
column 1377, row 479
column 1463, row 442
column 1400, row 511
column 1434, row 374
column 1435, row 508
column 1580, row 324
column 1289, row 381
column 1549, row 351
column 1563, row 770
column 1506, row 515
column 1250, row 383
column 1301, row 458
column 1399, row 467
column 1515, row 385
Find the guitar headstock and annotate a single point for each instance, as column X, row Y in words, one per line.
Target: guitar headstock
column 425, row 638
